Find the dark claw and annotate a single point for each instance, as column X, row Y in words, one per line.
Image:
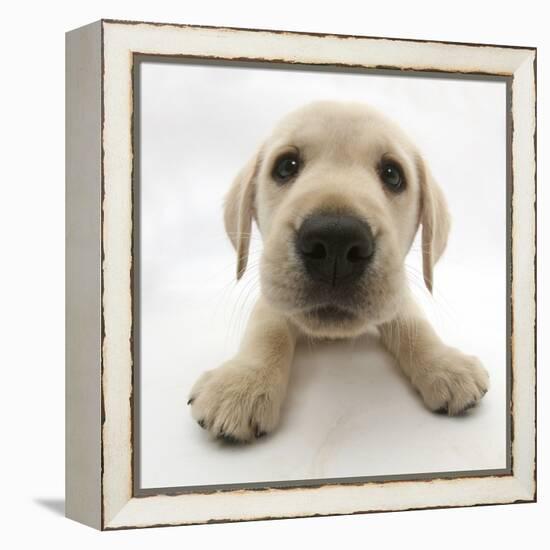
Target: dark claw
column 191, row 399
column 260, row 433
column 468, row 407
column 442, row 410
column 201, row 423
column 228, row 438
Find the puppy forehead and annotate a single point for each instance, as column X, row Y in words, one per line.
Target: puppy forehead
column 327, row 124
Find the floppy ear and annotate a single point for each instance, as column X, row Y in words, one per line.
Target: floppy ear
column 238, row 212
column 435, row 220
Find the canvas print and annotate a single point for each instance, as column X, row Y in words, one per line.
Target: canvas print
column 321, row 275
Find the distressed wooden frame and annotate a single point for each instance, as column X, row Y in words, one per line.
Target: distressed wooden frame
column 100, row 488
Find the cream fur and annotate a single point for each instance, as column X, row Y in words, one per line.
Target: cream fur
column 341, row 144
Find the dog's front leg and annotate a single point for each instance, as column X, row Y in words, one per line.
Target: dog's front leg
column 448, row 380
column 241, row 400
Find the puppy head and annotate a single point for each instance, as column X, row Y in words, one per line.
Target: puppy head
column 338, row 193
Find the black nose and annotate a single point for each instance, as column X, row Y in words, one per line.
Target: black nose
column 335, row 248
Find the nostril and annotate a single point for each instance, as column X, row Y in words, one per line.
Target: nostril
column 316, row 251
column 358, row 253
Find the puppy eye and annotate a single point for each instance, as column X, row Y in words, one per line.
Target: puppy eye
column 286, row 167
column 392, row 176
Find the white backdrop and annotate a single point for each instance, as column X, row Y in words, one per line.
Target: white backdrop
column 32, row 236
column 349, row 411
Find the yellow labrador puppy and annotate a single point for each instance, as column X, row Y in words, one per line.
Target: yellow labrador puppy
column 338, row 193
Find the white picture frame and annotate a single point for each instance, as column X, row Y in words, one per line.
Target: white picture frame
column 100, row 424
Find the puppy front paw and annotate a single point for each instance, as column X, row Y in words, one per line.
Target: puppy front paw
column 452, row 382
column 237, row 402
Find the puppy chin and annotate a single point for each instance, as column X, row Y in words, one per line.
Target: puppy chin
column 330, row 322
